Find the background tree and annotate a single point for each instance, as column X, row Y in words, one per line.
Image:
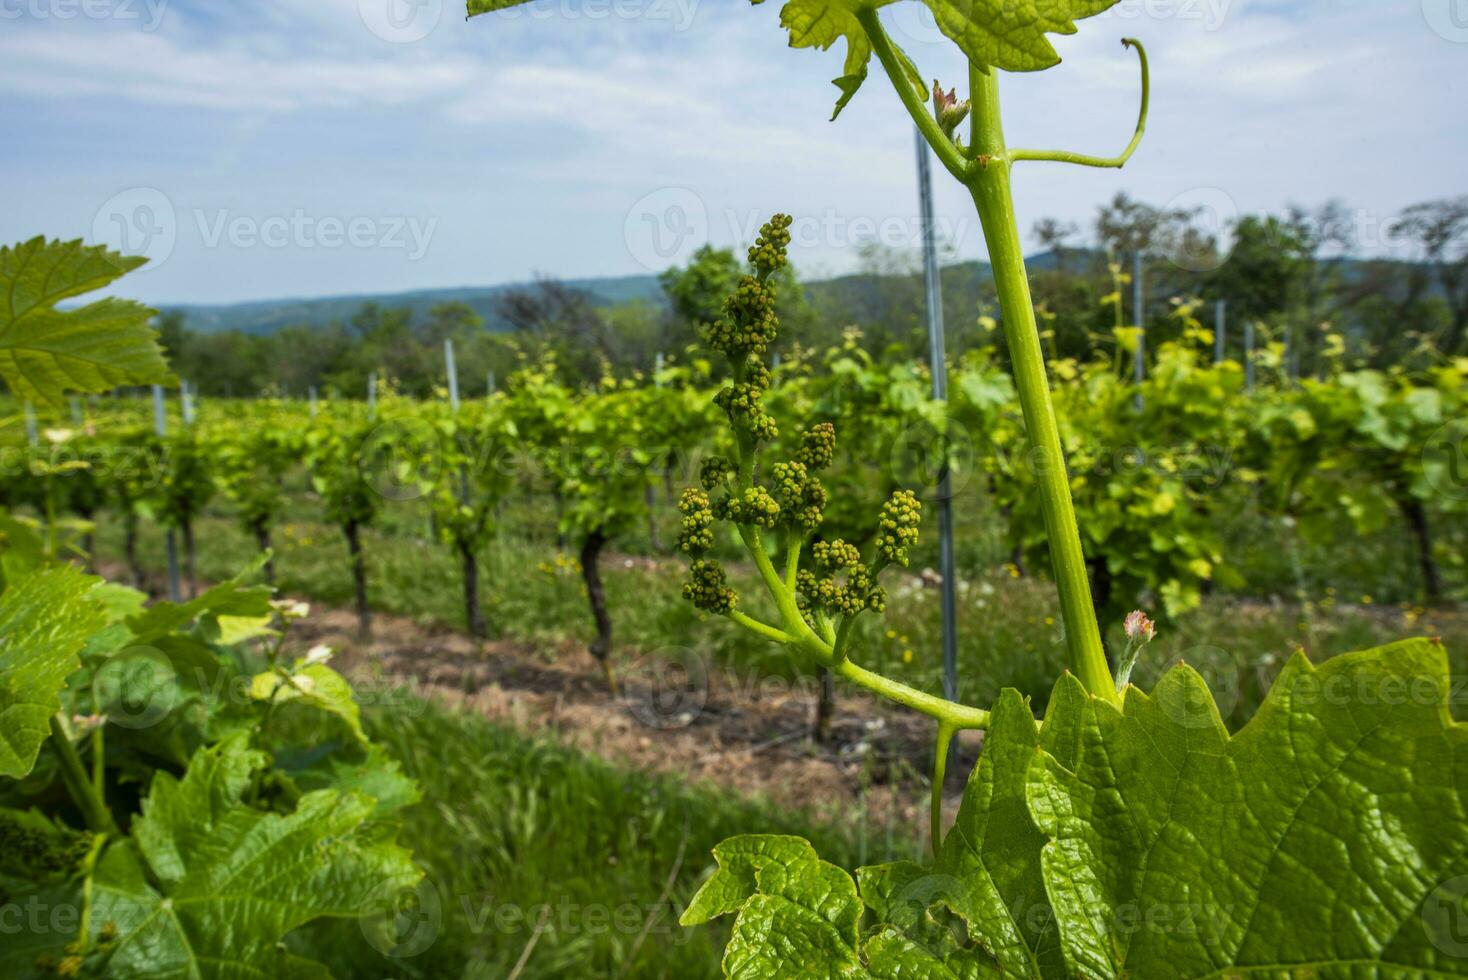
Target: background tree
column 1439, row 231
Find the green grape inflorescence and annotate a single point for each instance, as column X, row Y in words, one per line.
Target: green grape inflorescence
column 788, row 497
column 801, row 496
column 742, row 403
column 858, row 593
column 754, row 507
column 715, row 472
column 708, row 587
column 817, row 446
column 898, row 530
column 768, row 253
column 697, row 535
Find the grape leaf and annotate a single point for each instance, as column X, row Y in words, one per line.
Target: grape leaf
column 218, row 610
column 796, row 912
column 821, row 23
column 1328, row 837
column 316, row 686
column 377, row 775
column 1311, row 841
column 999, row 33
column 45, row 352
column 232, row 881
column 45, row 619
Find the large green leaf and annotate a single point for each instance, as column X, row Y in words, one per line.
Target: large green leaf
column 45, row 352
column 45, row 619
column 1328, row 837
column 1312, row 841
column 214, row 884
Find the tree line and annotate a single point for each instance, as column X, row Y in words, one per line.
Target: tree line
column 1292, row 276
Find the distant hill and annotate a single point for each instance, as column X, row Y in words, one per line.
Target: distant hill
column 962, row 283
column 268, row 316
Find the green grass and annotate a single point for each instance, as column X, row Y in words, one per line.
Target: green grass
column 512, row 827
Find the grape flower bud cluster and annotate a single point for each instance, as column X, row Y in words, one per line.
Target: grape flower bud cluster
column 788, row 496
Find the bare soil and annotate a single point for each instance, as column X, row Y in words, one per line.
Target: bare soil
column 743, row 734
column 692, row 720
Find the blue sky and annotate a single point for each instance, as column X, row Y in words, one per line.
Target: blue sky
column 313, row 147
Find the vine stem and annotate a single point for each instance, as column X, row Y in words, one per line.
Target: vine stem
column 940, row 772
column 990, row 186
column 798, row 633
column 1089, row 160
column 987, row 178
column 78, row 783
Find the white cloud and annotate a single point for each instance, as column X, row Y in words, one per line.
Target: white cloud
column 531, row 136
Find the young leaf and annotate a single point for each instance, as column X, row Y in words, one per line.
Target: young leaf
column 45, row 619
column 795, row 910
column 378, row 775
column 45, row 352
column 1329, row 835
column 995, row 33
column 220, row 610
column 821, row 23
column 315, row 685
column 232, row 881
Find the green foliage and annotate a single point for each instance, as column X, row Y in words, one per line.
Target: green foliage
column 45, row 618
column 218, row 864
column 188, row 481
column 1150, row 467
column 45, row 351
column 1145, row 841
column 471, row 471
column 988, row 33
column 340, row 457
column 249, row 462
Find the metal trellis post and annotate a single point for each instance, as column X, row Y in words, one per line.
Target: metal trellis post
column 938, row 364
column 1220, row 330
column 1139, row 313
column 160, row 426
